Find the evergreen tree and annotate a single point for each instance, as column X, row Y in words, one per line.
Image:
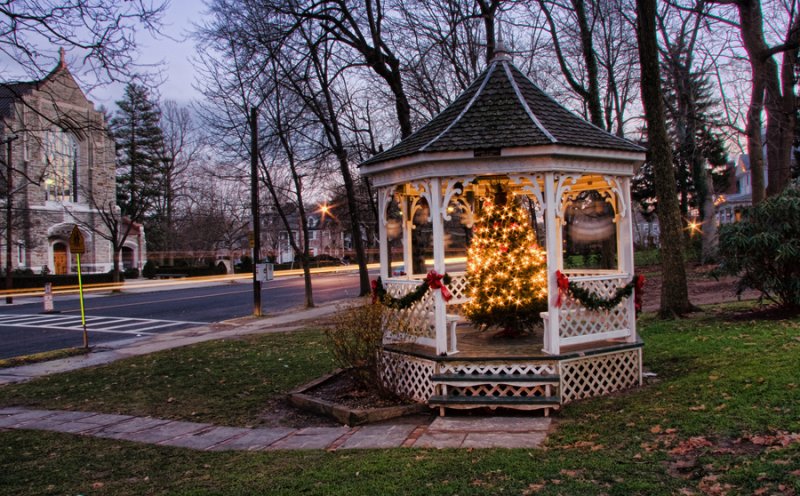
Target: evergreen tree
column 139, row 139
column 506, row 268
column 692, row 123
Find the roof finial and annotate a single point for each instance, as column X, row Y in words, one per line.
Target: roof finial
column 500, row 50
column 62, row 58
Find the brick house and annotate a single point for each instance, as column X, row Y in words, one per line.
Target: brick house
column 65, row 163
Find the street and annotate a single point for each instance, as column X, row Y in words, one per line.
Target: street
column 24, row 329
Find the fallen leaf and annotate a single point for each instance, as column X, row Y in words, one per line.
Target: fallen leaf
column 699, row 408
column 655, row 429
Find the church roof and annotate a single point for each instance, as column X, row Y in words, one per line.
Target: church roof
column 502, row 108
column 11, row 92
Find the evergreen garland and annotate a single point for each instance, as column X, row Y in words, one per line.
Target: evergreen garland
column 379, row 294
column 591, row 301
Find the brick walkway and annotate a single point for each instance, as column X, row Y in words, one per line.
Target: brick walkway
column 443, row 432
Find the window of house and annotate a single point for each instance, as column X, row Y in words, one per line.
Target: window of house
column 20, row 255
column 61, row 166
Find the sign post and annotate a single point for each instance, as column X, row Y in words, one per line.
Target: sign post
column 77, row 245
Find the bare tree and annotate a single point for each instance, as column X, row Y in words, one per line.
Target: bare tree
column 674, row 289
column 283, row 111
column 773, row 89
column 102, row 33
column 314, row 81
column 181, row 149
column 364, row 30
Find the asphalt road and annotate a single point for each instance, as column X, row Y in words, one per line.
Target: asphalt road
column 24, row 329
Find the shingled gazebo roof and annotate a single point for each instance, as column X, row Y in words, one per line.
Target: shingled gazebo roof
column 503, row 109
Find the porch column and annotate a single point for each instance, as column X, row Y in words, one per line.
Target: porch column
column 383, row 241
column 625, row 246
column 440, row 311
column 553, row 247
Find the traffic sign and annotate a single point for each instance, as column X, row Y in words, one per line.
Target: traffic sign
column 77, row 244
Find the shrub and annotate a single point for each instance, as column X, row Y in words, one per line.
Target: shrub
column 763, row 249
column 149, row 270
column 131, row 273
column 246, row 264
column 355, row 339
column 221, row 269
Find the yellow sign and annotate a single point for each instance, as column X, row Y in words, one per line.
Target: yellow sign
column 251, row 237
column 76, row 242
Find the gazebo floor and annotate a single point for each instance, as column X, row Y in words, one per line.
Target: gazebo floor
column 480, row 345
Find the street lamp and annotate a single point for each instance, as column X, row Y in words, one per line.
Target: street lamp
column 9, row 191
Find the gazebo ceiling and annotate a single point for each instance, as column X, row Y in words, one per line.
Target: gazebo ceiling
column 503, row 114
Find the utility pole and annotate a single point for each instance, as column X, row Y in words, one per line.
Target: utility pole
column 9, row 239
column 254, row 209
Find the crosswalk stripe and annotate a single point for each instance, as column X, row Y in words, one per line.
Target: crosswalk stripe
column 112, row 325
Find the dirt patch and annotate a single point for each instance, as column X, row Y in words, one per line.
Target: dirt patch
column 345, row 389
column 703, row 288
column 341, row 389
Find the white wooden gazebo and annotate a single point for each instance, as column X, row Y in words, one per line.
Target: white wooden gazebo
column 505, row 129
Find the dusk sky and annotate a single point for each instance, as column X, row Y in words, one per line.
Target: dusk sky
column 175, row 53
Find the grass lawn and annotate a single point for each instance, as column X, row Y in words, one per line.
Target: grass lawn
column 721, row 417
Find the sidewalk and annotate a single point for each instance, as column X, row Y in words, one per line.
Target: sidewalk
column 111, row 352
column 443, row 432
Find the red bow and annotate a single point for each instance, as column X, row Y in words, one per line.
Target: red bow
column 637, row 293
column 374, row 285
column 434, row 281
column 562, row 282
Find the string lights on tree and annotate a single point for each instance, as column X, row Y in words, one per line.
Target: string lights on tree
column 506, row 268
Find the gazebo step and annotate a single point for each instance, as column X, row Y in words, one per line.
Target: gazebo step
column 475, row 379
column 490, row 401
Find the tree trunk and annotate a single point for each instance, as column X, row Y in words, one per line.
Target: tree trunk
column 708, row 250
column 355, row 224
column 590, row 60
column 674, row 289
column 115, row 274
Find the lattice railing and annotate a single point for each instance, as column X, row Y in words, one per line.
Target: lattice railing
column 501, row 368
column 407, row 376
column 458, row 287
column 580, row 325
column 586, row 377
column 412, row 324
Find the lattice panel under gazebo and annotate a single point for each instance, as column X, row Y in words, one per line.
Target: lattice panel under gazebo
column 586, row 377
column 407, row 376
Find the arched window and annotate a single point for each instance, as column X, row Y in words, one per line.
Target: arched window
column 61, row 166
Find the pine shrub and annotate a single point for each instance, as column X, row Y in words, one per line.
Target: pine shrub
column 763, row 249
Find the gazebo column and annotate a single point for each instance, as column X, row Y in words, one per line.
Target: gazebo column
column 625, row 244
column 437, row 221
column 383, row 240
column 553, row 247
column 407, row 207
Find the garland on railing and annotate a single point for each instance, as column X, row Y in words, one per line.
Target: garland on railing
column 433, row 280
column 593, row 302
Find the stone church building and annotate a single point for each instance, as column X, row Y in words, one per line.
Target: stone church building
column 65, row 173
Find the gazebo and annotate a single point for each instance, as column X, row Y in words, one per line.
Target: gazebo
column 504, row 130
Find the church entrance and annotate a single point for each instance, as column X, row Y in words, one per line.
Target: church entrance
column 60, row 258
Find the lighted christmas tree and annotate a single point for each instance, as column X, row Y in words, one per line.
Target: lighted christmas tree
column 506, row 269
